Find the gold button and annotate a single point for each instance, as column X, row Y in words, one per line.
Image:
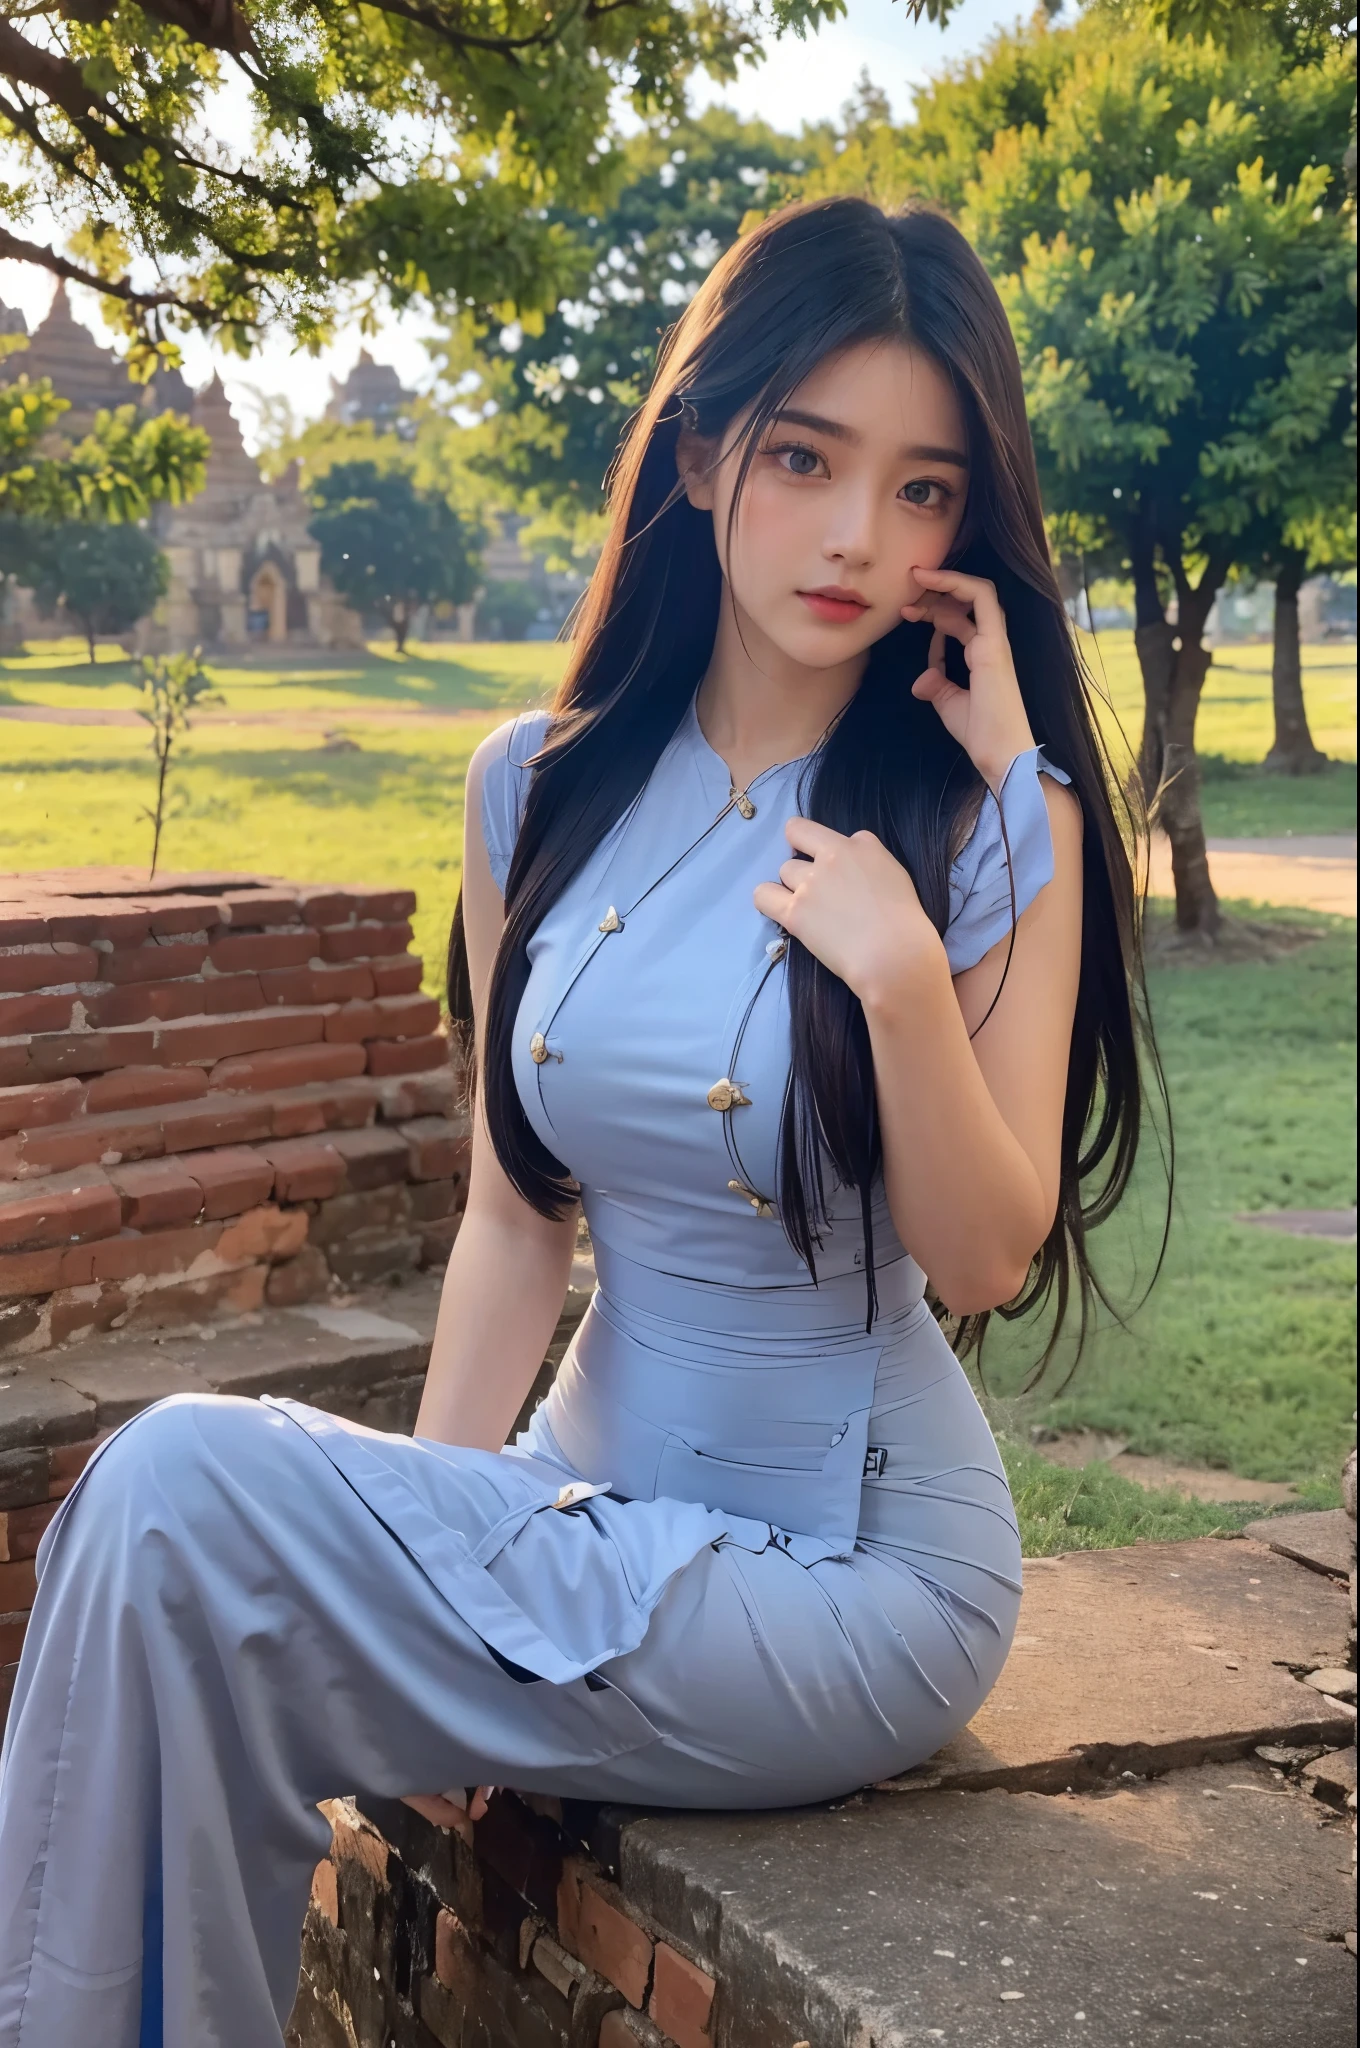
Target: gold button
column 725, row 1094
column 611, row 922
column 743, row 803
column 776, row 950
column 538, row 1049
column 758, row 1202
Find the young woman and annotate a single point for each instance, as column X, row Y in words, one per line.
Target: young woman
column 799, row 940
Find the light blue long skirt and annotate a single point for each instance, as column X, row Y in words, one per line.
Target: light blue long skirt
column 247, row 1607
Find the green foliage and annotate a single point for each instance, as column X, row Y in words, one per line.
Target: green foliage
column 565, row 389
column 113, row 473
column 507, row 610
column 1060, row 1509
column 415, row 147
column 387, row 547
column 174, row 684
column 108, row 577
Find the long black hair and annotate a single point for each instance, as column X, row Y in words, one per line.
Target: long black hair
column 807, row 282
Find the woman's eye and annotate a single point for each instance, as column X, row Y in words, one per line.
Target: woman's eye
column 799, row 461
column 930, row 497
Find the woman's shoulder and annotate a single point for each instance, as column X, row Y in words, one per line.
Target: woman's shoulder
column 1006, row 859
column 498, row 783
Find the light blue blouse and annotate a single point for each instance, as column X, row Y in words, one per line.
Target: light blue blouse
column 652, row 979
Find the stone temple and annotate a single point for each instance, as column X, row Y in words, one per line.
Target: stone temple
column 244, row 570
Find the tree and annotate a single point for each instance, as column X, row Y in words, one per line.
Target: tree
column 112, row 474
column 175, row 686
column 387, row 546
column 417, row 147
column 108, row 577
column 1169, row 225
column 557, row 398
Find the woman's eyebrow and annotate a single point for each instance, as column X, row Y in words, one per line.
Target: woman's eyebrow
column 835, row 430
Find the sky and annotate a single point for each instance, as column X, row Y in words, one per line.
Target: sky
column 799, row 82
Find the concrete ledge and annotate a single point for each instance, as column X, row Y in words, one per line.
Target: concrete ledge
column 1166, row 1896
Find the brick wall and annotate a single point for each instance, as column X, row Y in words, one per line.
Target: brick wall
column 216, row 1092
column 512, row 1933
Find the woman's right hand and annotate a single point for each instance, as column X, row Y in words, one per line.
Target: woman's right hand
column 452, row 1809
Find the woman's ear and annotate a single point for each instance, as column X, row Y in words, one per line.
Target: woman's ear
column 694, row 462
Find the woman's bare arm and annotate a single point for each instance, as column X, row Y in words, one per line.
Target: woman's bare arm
column 507, row 1275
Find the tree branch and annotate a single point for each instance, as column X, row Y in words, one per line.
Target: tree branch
column 20, row 251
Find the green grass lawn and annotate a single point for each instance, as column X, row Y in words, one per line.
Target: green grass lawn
column 1242, row 1356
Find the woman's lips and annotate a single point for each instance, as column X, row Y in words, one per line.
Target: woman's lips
column 837, row 606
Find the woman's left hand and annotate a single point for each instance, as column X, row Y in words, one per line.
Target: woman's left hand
column 988, row 719
column 854, row 906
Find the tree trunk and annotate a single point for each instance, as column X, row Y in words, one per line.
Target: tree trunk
column 89, row 642
column 1152, row 639
column 401, row 625
column 1174, row 663
column 1293, row 752
column 1179, row 804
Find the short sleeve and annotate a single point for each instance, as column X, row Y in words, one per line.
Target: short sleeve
column 505, row 786
column 982, row 906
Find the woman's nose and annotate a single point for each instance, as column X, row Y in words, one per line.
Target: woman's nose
column 851, row 531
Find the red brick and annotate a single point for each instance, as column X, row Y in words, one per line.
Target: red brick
column 323, row 1105
column 372, row 1157
column 439, row 1149
column 74, row 917
column 20, row 1529
column 602, row 1936
column 158, row 961
column 66, row 1462
column 316, row 984
column 407, row 1055
column 437, row 1239
column 432, row 1200
column 434, row 1093
column 74, row 1309
column 256, row 951
column 30, row 1272
column 325, row 1892
column 399, row 976
column 259, row 906
column 89, row 1052
column 364, row 941
column 84, row 1141
column 384, row 1017
column 157, row 1193
column 172, row 915
column 66, row 1211
column 16, row 1066
column 326, row 906
column 615, row 2031
column 18, row 1585
column 231, row 1180
column 374, row 1210
column 20, row 926
column 264, row 1233
column 47, row 1102
column 140, row 1254
column 20, row 1014
column 142, row 1088
column 386, row 905
column 305, row 1169
column 456, row 1962
column 34, row 967
column 289, row 1066
column 305, row 1277
column 682, row 1999
column 238, row 1292
column 218, row 1120
column 220, row 1038
column 13, row 1629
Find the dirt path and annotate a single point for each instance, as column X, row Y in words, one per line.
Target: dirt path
column 1312, row 872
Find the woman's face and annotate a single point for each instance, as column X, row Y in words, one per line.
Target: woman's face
column 859, row 479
